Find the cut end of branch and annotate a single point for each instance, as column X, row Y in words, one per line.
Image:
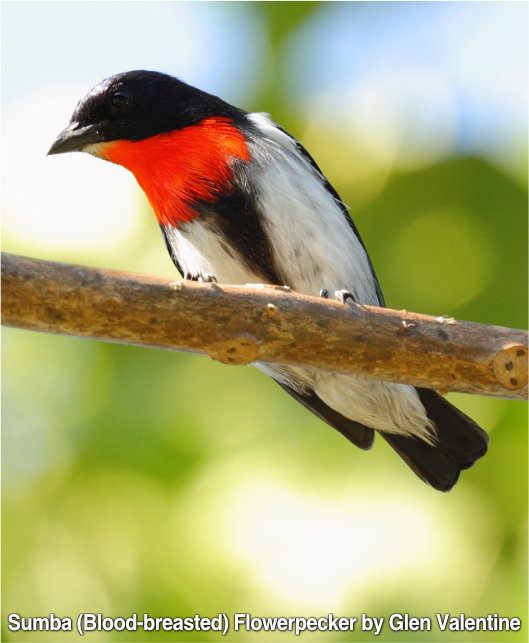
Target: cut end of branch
column 510, row 367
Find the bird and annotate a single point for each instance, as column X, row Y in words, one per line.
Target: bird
column 239, row 200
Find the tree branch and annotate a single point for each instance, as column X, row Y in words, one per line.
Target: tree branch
column 244, row 324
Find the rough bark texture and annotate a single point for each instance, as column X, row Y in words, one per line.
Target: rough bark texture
column 244, row 324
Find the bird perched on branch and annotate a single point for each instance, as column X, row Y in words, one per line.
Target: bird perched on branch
column 240, row 200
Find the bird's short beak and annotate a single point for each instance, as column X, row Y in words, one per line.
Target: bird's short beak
column 74, row 138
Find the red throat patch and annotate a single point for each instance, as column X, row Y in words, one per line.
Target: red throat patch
column 181, row 168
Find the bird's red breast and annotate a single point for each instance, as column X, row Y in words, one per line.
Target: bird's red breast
column 181, row 168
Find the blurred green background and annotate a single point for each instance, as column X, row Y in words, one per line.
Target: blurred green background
column 137, row 480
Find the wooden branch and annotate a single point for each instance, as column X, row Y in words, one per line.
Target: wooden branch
column 244, row 324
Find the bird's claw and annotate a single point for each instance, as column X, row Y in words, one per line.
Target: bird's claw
column 344, row 295
column 207, row 277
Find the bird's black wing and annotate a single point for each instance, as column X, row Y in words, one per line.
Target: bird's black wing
column 170, row 251
column 357, row 433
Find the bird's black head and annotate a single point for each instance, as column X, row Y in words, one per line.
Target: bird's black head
column 137, row 105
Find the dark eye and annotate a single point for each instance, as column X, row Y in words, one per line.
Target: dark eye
column 120, row 98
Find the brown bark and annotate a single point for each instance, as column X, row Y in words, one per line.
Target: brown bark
column 244, row 324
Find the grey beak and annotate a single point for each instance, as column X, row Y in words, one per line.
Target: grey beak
column 73, row 138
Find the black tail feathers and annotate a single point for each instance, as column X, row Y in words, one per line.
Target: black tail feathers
column 460, row 442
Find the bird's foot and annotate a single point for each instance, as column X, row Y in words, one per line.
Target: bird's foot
column 344, row 295
column 207, row 277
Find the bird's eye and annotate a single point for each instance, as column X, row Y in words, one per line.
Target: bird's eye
column 120, row 98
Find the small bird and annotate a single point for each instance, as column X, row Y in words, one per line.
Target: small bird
column 240, row 201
